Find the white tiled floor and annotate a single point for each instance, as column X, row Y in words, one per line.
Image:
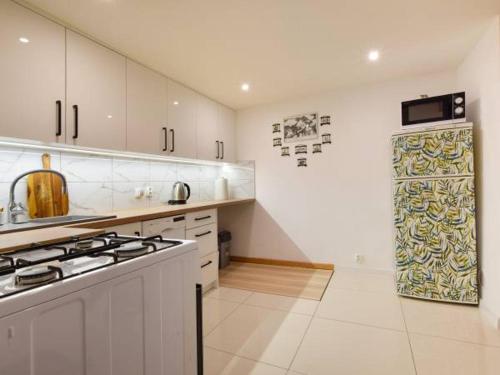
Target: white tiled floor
column 360, row 327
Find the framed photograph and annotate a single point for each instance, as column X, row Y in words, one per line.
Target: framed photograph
column 326, row 138
column 276, row 142
column 302, row 162
column 316, row 148
column 301, row 149
column 300, row 128
column 324, row 120
column 285, row 151
column 277, row 128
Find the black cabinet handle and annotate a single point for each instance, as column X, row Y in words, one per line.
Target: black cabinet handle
column 75, row 110
column 137, row 233
column 172, row 132
column 217, row 144
column 164, row 139
column 203, row 217
column 206, row 264
column 59, row 118
column 222, row 145
column 203, row 234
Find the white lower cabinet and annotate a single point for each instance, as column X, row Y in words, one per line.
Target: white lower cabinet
column 143, row 322
column 201, row 226
column 131, row 229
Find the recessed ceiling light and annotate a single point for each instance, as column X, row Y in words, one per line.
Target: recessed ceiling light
column 110, row 116
column 176, row 102
column 245, row 87
column 374, row 55
column 24, row 40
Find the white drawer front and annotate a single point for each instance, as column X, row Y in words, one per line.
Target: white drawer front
column 132, row 229
column 206, row 236
column 209, row 269
column 199, row 218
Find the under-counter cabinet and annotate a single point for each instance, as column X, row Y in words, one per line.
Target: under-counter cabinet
column 32, row 69
column 181, row 124
column 143, row 322
column 96, row 94
column 146, row 110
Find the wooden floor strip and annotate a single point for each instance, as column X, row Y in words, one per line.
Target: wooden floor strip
column 281, row 280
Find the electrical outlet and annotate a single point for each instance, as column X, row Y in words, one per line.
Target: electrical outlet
column 138, row 193
column 359, row 258
column 148, row 192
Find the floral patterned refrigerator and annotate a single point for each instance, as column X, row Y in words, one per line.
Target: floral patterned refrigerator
column 434, row 214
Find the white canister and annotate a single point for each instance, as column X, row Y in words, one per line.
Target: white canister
column 221, row 189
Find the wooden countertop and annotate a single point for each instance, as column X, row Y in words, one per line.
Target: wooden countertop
column 18, row 240
column 141, row 214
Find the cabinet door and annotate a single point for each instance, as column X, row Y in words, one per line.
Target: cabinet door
column 146, row 109
column 226, row 133
column 206, row 129
column 182, row 106
column 96, row 89
column 32, row 69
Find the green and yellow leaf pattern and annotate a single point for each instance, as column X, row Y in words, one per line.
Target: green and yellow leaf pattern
column 434, row 218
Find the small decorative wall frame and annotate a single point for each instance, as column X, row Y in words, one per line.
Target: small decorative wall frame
column 316, row 148
column 285, row 151
column 302, row 162
column 326, row 138
column 276, row 142
column 277, row 128
column 300, row 128
column 300, row 149
column 324, row 120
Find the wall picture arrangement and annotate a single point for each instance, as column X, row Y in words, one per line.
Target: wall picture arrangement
column 302, row 162
column 324, row 120
column 300, row 149
column 301, row 128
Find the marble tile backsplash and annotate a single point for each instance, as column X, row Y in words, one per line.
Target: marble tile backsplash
column 99, row 184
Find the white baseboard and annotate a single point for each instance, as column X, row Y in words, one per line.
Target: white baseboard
column 493, row 318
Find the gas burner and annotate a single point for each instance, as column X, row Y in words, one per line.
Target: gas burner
column 6, row 262
column 130, row 250
column 84, row 244
column 37, row 275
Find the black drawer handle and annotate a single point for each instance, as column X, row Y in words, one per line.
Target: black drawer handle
column 203, row 217
column 172, row 133
column 218, row 149
column 137, row 234
column 59, row 118
column 222, row 145
column 206, row 264
column 75, row 110
column 203, row 234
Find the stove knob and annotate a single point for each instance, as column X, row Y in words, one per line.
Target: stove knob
column 459, row 100
column 459, row 110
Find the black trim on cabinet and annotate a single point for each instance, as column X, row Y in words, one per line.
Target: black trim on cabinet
column 199, row 327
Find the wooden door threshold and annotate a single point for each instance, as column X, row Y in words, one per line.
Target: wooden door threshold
column 286, row 263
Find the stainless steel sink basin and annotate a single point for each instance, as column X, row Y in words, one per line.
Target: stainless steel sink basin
column 64, row 219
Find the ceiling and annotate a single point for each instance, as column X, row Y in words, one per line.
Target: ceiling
column 282, row 48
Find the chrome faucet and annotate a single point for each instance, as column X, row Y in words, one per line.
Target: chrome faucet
column 17, row 213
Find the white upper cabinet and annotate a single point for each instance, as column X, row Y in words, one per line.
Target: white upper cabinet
column 146, row 110
column 181, row 124
column 226, row 134
column 96, row 94
column 206, row 128
column 32, row 66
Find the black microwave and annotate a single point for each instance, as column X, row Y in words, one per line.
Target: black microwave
column 443, row 109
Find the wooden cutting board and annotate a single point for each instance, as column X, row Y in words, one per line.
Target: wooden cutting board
column 45, row 193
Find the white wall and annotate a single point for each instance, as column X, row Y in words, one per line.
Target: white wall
column 341, row 203
column 479, row 74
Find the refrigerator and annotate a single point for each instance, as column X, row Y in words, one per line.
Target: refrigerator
column 435, row 214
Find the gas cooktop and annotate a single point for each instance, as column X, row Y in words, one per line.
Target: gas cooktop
column 36, row 266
